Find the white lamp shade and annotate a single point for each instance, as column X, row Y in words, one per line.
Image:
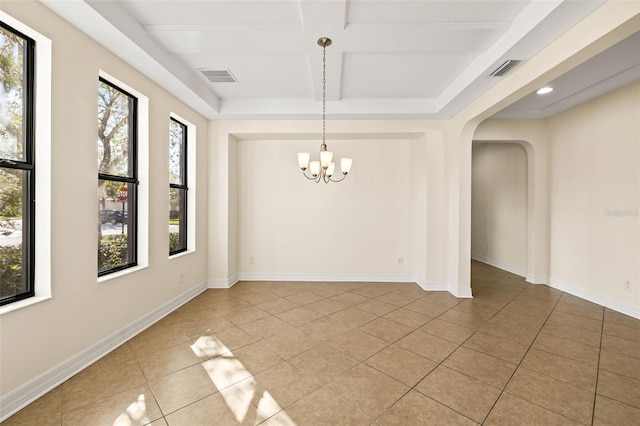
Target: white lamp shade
column 314, row 168
column 331, row 168
column 325, row 158
column 345, row 165
column 303, row 160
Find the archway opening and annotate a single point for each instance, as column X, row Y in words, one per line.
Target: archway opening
column 499, row 210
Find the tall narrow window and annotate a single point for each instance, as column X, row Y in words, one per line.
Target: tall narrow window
column 177, row 187
column 17, row 166
column 117, row 178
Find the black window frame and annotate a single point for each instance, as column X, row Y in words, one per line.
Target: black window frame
column 28, row 166
column 131, row 181
column 184, row 190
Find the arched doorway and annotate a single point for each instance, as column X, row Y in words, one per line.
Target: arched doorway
column 499, row 206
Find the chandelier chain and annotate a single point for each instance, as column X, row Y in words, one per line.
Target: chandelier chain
column 324, row 93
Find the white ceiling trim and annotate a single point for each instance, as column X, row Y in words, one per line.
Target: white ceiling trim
column 223, row 27
column 148, row 57
column 350, row 109
column 441, row 25
column 526, row 21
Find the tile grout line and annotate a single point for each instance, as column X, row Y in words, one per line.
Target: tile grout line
column 438, row 364
column 523, row 357
column 517, row 365
column 326, row 341
column 390, row 344
column 595, row 391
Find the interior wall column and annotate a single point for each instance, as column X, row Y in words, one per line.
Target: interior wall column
column 221, row 236
column 459, row 166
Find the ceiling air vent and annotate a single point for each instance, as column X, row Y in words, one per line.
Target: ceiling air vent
column 219, row 76
column 507, row 66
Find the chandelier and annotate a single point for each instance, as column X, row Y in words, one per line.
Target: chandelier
column 324, row 169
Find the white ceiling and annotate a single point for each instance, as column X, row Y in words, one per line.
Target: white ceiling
column 389, row 58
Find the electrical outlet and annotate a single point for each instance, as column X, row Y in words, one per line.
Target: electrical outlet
column 400, row 261
column 180, row 278
column 251, row 260
column 627, row 285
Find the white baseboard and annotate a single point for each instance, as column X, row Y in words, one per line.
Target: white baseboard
column 343, row 277
column 500, row 265
column 372, row 278
column 25, row 394
column 462, row 293
column 222, row 282
column 533, row 279
column 434, row 285
column 616, row 305
column 234, row 279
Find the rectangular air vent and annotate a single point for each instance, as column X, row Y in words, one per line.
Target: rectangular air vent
column 507, row 66
column 219, row 76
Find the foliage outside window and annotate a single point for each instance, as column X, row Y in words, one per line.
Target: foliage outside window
column 117, row 178
column 17, row 166
column 177, row 187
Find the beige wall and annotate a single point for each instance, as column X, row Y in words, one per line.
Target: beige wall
column 609, row 24
column 595, row 198
column 354, row 230
column 583, row 218
column 499, row 205
column 295, row 229
column 83, row 312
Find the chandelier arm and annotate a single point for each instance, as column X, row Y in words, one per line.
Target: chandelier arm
column 338, row 180
column 304, row 173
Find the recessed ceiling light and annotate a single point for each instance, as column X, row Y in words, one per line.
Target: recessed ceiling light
column 544, row 90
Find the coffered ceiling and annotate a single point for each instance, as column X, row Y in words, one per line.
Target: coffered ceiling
column 389, row 58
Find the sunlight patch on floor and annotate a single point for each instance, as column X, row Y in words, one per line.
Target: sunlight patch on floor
column 135, row 414
column 268, row 404
column 232, row 367
column 227, row 370
column 215, row 374
column 210, row 346
column 238, row 398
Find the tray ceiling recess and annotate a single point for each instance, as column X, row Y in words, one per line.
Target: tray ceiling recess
column 389, row 58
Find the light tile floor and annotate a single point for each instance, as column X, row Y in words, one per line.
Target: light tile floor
column 277, row 353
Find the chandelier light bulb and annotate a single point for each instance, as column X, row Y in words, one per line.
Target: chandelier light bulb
column 331, row 169
column 345, row 165
column 303, row 160
column 314, row 168
column 325, row 158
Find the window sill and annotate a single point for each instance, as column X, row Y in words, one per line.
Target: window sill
column 122, row 273
column 22, row 304
column 182, row 253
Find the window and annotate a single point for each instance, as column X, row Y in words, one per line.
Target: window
column 17, row 166
column 177, row 187
column 117, row 178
